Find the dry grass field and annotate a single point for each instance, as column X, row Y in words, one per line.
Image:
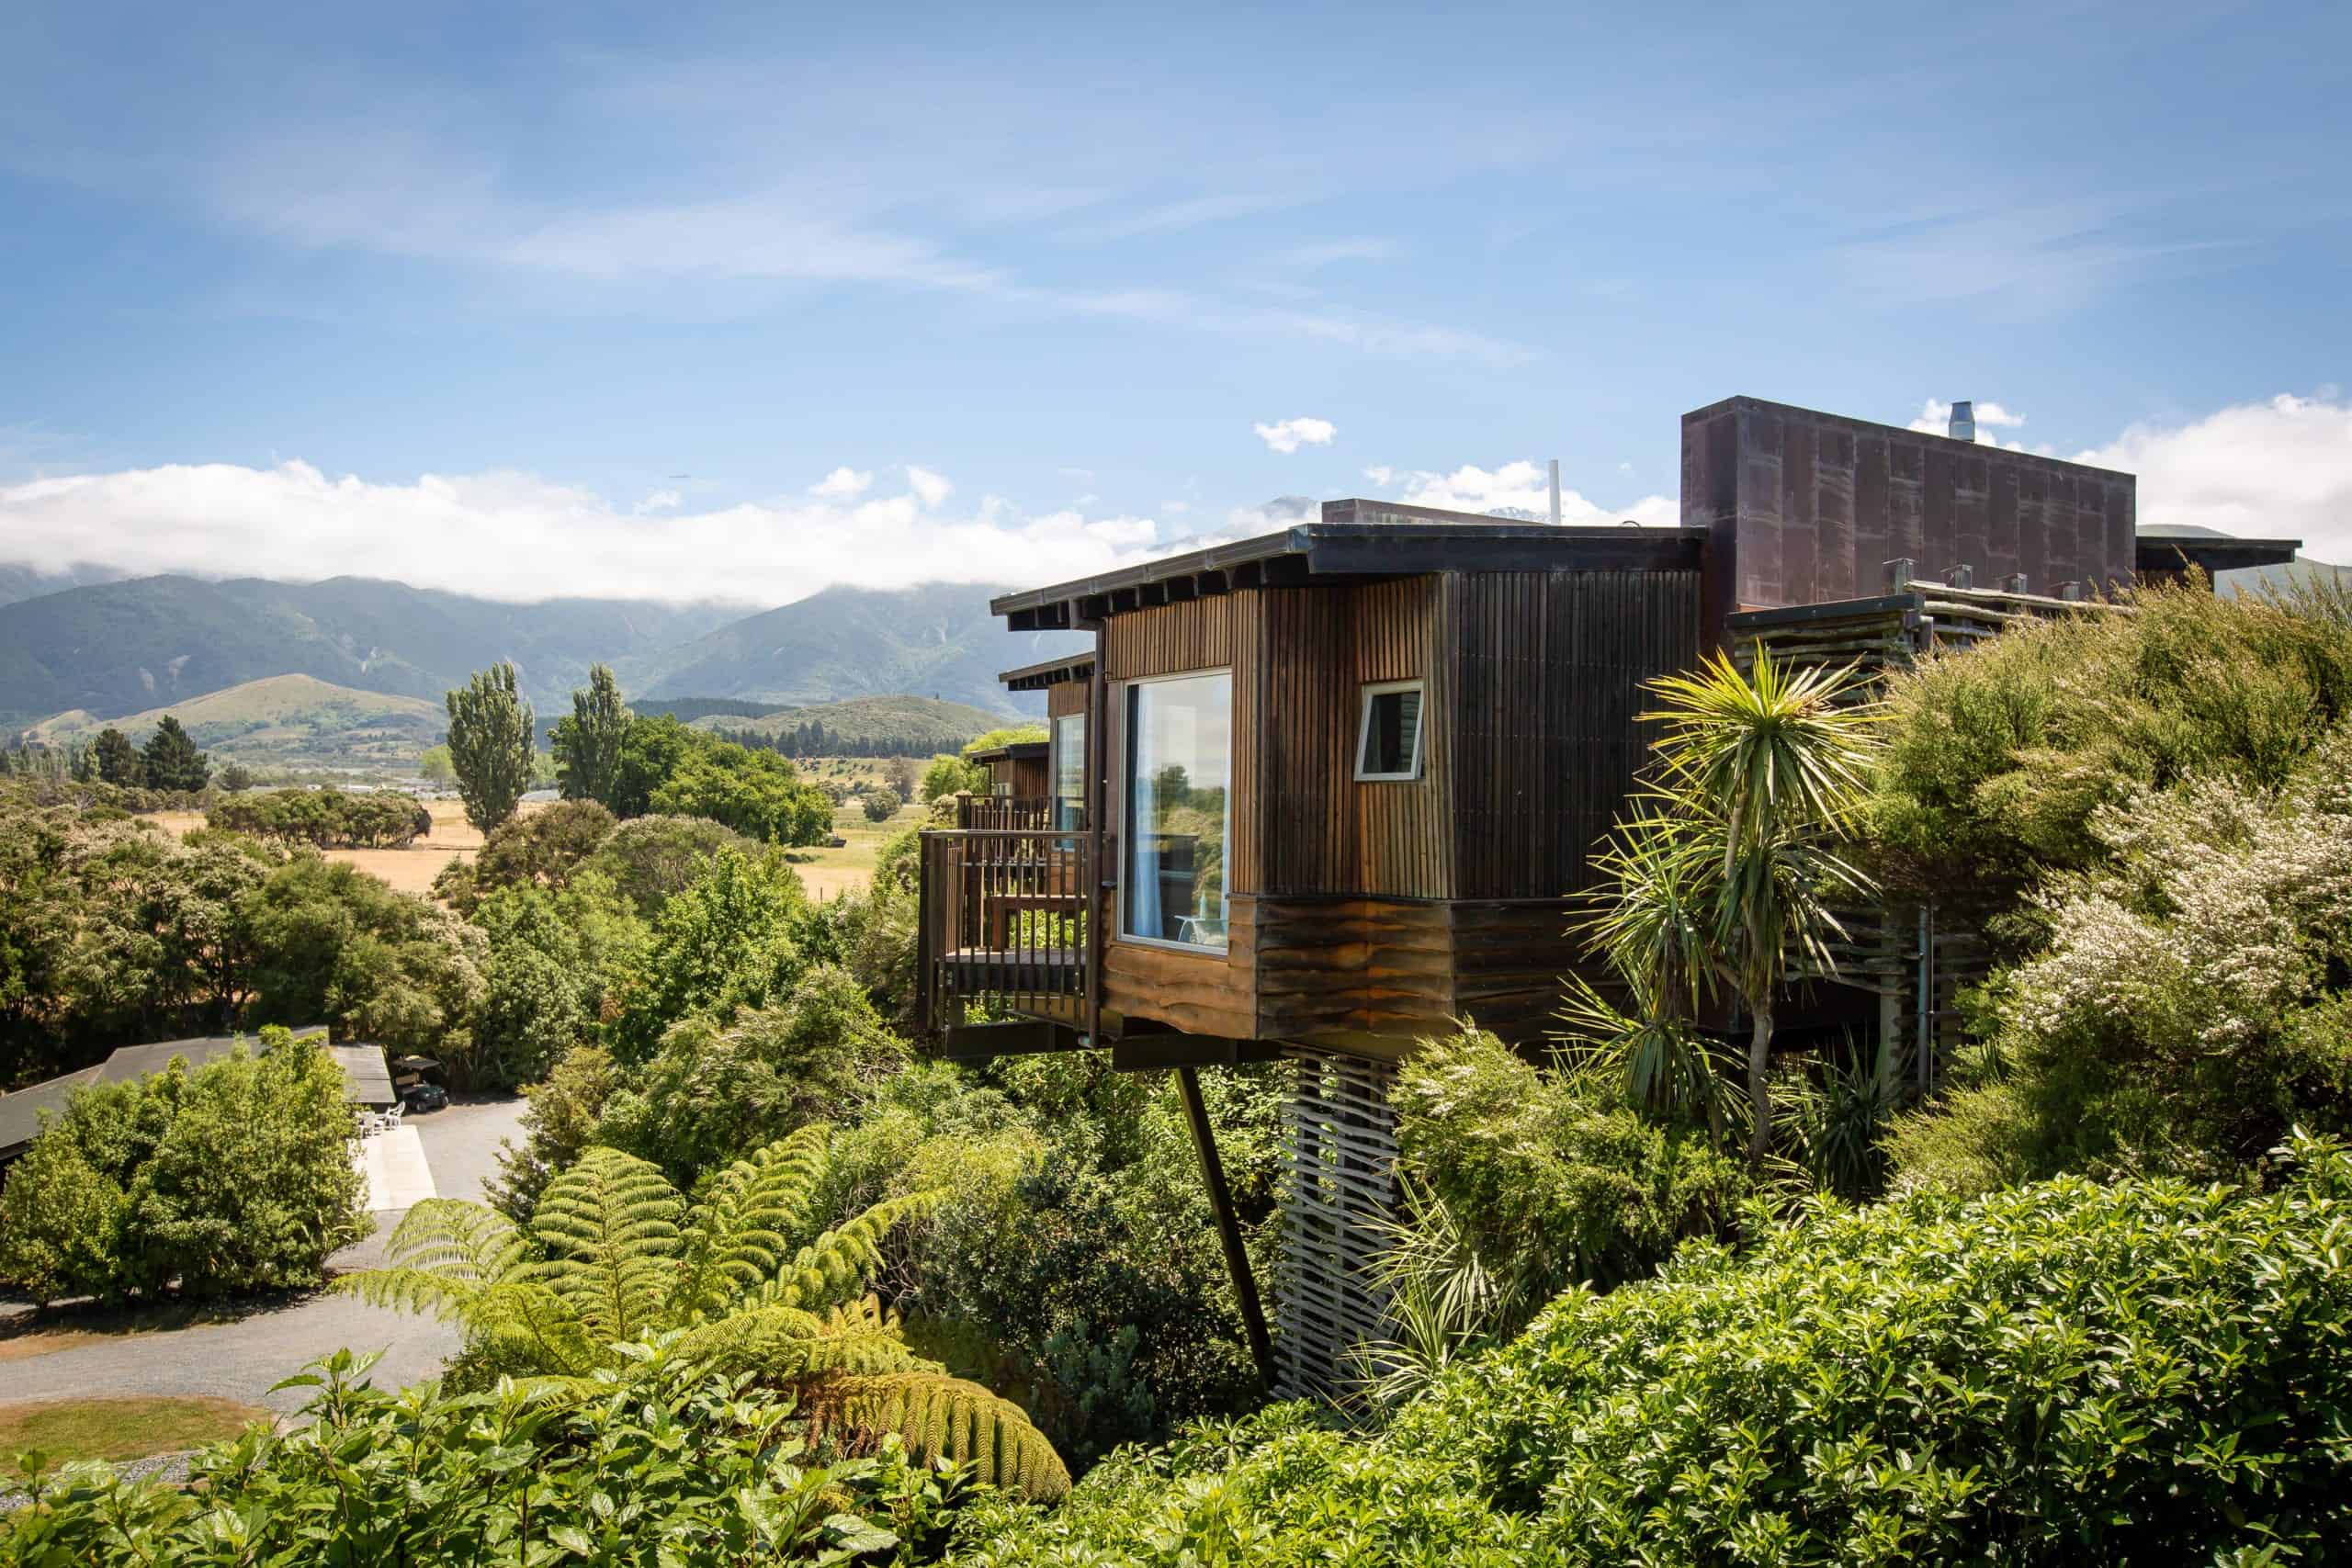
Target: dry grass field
column 826, row 873
column 411, row 870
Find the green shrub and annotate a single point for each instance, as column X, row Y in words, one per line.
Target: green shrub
column 652, row 859
column 1552, row 1183
column 1999, row 757
column 758, row 794
column 708, row 1473
column 2185, row 1006
column 233, row 1178
column 323, row 819
column 722, row 944
column 541, row 848
column 2146, row 1371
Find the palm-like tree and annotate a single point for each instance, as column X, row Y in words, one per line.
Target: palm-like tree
column 1730, row 875
column 616, row 1275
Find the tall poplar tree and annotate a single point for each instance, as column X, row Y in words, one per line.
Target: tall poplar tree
column 588, row 744
column 490, row 731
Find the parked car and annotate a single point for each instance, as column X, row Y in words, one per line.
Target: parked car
column 425, row 1097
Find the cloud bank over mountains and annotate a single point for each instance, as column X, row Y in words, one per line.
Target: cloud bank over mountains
column 2276, row 468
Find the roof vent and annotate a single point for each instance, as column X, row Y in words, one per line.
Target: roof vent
column 1963, row 421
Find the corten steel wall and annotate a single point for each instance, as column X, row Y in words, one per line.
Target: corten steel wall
column 1803, row 507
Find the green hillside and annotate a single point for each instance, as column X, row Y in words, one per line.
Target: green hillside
column 914, row 726
column 278, row 719
column 126, row 648
column 938, row 641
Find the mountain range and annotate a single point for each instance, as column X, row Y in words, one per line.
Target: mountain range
column 115, row 648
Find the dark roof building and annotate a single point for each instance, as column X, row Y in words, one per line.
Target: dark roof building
column 370, row 1083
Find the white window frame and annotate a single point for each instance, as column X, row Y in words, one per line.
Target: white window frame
column 1222, row 952
column 1367, row 693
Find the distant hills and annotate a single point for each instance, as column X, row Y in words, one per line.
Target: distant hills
column 938, row 641
column 281, row 716
column 916, row 726
column 111, row 649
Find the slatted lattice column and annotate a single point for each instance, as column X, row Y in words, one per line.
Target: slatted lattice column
column 1342, row 1166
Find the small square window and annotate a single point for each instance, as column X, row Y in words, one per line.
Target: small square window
column 1389, row 746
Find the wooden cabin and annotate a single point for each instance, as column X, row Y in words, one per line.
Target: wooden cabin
column 1017, row 770
column 1321, row 794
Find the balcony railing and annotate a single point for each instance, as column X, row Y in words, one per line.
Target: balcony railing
column 988, row 811
column 1004, row 922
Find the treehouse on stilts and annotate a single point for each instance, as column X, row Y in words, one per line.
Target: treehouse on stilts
column 1314, row 797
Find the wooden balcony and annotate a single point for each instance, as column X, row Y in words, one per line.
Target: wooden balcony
column 1004, row 922
column 994, row 811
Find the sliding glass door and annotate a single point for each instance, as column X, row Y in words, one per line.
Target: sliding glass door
column 1178, row 773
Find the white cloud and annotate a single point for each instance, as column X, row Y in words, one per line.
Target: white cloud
column 1287, row 435
column 1380, row 474
column 519, row 536
column 660, row 500
column 1935, row 419
column 843, row 484
column 930, row 489
column 1523, row 487
column 2276, row 470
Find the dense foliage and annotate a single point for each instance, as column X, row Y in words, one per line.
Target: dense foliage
column 2186, row 999
column 234, row 1177
column 615, row 1277
column 170, row 760
column 491, row 745
column 323, row 819
column 2144, row 1371
column 588, row 744
column 661, row 1473
column 1999, row 758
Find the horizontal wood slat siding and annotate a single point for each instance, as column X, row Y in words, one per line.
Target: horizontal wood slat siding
column 1200, row 993
column 1351, row 966
column 1550, row 666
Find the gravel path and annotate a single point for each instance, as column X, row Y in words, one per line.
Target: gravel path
column 239, row 1359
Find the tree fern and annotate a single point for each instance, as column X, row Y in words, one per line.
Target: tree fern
column 617, row 1278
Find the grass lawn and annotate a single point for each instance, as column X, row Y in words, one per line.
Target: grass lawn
column 828, row 872
column 121, row 1428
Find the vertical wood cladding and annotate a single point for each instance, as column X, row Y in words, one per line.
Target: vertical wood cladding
column 1803, row 507
column 1548, row 675
column 1066, row 697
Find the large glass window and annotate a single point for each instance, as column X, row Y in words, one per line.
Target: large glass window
column 1070, row 771
column 1179, row 773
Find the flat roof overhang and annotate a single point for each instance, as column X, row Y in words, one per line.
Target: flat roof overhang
column 1354, row 540
column 1049, row 673
column 2159, row 552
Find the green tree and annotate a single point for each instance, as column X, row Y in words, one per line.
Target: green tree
column 1756, row 783
column 949, row 775
column 618, row 1275
column 170, row 760
column 758, row 794
column 588, row 744
column 117, row 760
column 236, row 778
column 652, row 859
column 724, row 944
column 543, row 849
column 490, row 731
column 434, row 766
column 651, row 749
column 881, row 805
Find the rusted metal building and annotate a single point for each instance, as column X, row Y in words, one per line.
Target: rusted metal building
column 1318, row 795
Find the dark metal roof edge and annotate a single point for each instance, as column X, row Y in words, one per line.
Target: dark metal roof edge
column 1300, row 539
column 1072, row 663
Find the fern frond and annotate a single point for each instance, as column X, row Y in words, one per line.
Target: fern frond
column 938, row 1416
column 610, row 1227
column 735, row 1237
column 838, row 1264
column 457, row 1240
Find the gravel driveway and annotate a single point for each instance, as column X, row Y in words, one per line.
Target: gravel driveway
column 242, row 1358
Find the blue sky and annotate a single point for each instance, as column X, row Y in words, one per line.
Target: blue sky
column 612, row 287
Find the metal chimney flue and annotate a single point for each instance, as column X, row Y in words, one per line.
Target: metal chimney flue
column 1555, row 492
column 1963, row 421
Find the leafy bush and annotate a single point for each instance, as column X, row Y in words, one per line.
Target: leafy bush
column 1552, row 1182
column 722, row 944
column 2185, row 1006
column 652, row 859
column 2146, row 1371
column 714, row 1090
column 881, row 805
column 2000, row 756
column 331, row 942
column 758, row 794
column 543, row 848
column 617, row 1278
column 324, row 819
column 234, row 1177
column 948, row 775
column 681, row 1473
